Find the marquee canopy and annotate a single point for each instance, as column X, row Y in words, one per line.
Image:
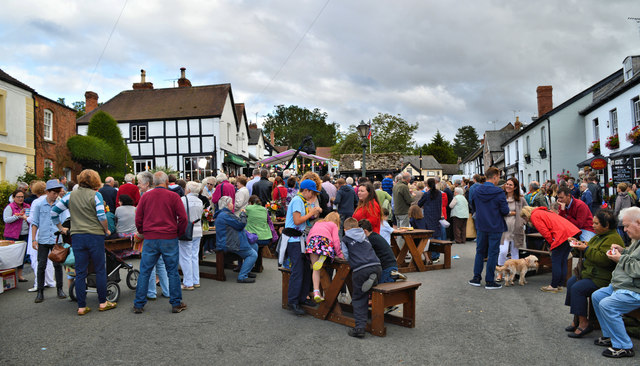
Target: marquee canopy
column 285, row 156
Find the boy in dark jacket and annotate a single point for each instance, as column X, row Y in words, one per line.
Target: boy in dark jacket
column 491, row 206
column 366, row 270
column 383, row 252
column 346, row 201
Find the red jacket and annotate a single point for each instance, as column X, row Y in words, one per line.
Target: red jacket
column 579, row 214
column 371, row 213
column 131, row 190
column 444, row 205
column 161, row 214
column 554, row 228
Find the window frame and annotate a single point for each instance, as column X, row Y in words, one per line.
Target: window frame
column 595, row 123
column 137, row 130
column 613, row 121
column 47, row 163
column 635, row 107
column 47, row 127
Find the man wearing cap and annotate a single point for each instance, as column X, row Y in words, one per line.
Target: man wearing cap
column 43, row 231
column 299, row 214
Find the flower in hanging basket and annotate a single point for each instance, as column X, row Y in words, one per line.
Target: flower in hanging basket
column 613, row 142
column 634, row 136
column 542, row 150
column 527, row 156
column 594, row 148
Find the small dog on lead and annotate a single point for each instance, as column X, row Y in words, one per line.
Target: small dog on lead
column 512, row 266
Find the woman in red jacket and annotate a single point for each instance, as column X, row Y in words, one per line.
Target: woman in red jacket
column 556, row 230
column 368, row 206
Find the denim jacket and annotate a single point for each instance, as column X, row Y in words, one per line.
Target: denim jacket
column 41, row 217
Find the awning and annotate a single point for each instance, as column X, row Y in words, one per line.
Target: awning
column 587, row 162
column 285, row 156
column 234, row 159
column 633, row 150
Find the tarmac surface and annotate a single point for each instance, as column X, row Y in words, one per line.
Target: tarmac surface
column 228, row 323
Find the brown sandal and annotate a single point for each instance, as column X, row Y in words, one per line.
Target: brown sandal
column 110, row 305
column 85, row 311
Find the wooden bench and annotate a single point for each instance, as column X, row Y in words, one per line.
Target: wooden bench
column 444, row 247
column 382, row 296
column 544, row 261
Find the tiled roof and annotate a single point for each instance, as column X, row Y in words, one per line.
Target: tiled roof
column 169, row 103
column 254, row 135
column 13, row 81
column 428, row 162
column 450, row 169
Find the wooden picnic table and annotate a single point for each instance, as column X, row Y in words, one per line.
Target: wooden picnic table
column 383, row 295
column 544, row 255
column 417, row 264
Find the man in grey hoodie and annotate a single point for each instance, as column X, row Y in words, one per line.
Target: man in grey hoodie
column 365, row 268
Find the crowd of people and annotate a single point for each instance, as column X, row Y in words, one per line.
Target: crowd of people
column 326, row 219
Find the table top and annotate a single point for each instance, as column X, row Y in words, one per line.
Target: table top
column 210, row 232
column 411, row 232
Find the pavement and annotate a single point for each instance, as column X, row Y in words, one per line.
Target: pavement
column 228, row 323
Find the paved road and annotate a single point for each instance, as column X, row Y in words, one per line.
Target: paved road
column 229, row 323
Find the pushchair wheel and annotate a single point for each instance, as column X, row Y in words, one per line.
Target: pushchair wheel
column 113, row 292
column 72, row 290
column 132, row 279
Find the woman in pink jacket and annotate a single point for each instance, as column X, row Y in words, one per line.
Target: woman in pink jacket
column 556, row 230
column 322, row 242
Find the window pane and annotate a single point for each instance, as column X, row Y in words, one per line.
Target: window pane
column 134, row 133
column 142, row 133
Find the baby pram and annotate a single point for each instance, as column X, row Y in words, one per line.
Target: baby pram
column 114, row 264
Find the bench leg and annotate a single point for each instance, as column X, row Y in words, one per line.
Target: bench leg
column 447, row 255
column 377, row 315
column 220, row 276
column 409, row 309
column 285, row 289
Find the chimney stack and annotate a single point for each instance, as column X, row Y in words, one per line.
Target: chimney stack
column 253, row 126
column 91, row 101
column 517, row 125
column 143, row 82
column 545, row 99
column 183, row 82
column 272, row 138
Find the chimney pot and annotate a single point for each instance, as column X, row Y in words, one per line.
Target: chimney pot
column 143, row 84
column 183, row 82
column 91, row 101
column 143, row 75
column 545, row 99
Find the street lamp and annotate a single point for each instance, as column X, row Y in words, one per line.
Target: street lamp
column 363, row 131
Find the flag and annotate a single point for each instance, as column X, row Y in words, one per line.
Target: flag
column 369, row 134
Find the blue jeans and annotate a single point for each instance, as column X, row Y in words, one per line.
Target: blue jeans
column 577, row 293
column 161, row 271
column 300, row 279
column 151, row 252
column 386, row 275
column 559, row 256
column 488, row 244
column 85, row 247
column 249, row 256
column 609, row 306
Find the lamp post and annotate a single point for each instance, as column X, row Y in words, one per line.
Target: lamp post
column 363, row 131
column 421, row 163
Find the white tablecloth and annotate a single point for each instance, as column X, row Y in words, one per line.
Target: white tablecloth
column 12, row 255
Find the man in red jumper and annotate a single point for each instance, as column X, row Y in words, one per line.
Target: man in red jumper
column 129, row 188
column 577, row 212
column 161, row 218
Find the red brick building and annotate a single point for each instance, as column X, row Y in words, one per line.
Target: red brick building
column 54, row 124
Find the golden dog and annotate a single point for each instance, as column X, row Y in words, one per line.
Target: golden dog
column 512, row 266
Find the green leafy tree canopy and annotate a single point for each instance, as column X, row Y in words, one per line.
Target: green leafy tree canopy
column 441, row 150
column 466, row 141
column 291, row 124
column 103, row 149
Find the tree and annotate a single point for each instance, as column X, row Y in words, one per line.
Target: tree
column 392, row 134
column 80, row 109
column 291, row 124
column 441, row 150
column 466, row 141
column 103, row 149
column 348, row 143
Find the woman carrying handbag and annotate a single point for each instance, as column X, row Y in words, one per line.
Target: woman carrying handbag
column 190, row 244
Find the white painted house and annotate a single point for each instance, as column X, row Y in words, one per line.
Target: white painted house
column 16, row 127
column 196, row 130
column 615, row 110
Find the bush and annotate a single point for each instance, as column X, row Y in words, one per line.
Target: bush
column 6, row 189
column 28, row 176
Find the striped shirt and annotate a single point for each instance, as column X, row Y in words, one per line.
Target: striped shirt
column 63, row 205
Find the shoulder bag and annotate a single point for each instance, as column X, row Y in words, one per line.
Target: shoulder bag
column 59, row 252
column 188, row 232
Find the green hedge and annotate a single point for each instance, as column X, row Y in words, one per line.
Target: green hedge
column 6, row 189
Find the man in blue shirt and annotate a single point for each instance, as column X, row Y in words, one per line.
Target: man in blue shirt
column 43, row 233
column 299, row 212
column 387, row 184
column 491, row 205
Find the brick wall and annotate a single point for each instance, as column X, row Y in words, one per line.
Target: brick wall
column 64, row 126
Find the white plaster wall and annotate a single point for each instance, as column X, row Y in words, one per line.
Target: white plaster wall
column 16, row 116
column 14, row 166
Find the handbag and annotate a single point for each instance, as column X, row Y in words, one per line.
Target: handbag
column 188, row 232
column 59, row 253
column 253, row 238
column 274, row 233
column 71, row 259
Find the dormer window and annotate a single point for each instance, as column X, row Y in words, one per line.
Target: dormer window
column 628, row 68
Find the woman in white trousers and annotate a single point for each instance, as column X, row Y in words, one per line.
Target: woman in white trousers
column 189, row 248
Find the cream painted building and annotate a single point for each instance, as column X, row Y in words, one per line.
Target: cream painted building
column 16, row 127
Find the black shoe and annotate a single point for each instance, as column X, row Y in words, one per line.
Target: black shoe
column 356, row 332
column 475, row 282
column 296, row 309
column 23, row 280
column 138, row 310
column 61, row 294
column 309, row 302
column 570, row 328
column 247, row 280
column 602, row 341
column 39, row 296
column 251, row 275
column 179, row 308
column 618, row 352
column 583, row 332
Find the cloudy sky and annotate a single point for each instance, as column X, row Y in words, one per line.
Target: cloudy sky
column 443, row 64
